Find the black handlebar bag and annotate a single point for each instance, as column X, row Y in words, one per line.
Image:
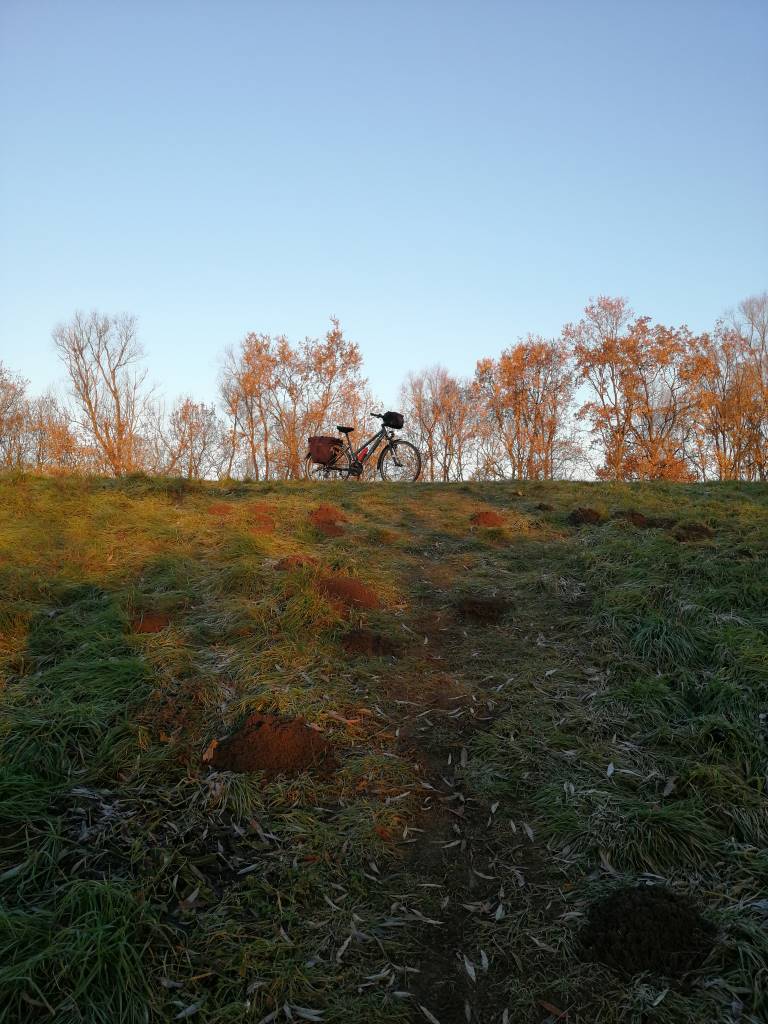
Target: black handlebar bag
column 394, row 420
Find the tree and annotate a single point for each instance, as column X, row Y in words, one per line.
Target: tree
column 190, row 442
column 596, row 341
column 645, row 382
column 51, row 444
column 440, row 418
column 103, row 357
column 13, row 417
column 751, row 323
column 276, row 394
column 526, row 398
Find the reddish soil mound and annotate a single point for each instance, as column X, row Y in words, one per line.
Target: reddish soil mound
column 346, row 592
column 687, row 532
column 585, row 516
column 360, row 641
column 648, row 928
column 295, row 562
column 220, row 508
column 482, row 609
column 150, row 622
column 275, row 745
column 487, row 517
column 544, row 506
column 261, row 519
column 327, row 519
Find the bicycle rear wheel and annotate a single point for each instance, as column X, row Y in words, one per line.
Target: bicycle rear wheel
column 337, row 470
column 400, row 462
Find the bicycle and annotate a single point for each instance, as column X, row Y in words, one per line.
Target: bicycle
column 399, row 461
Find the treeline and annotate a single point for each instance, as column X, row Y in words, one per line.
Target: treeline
column 614, row 395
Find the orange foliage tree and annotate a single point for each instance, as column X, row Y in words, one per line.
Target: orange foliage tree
column 644, row 381
column 275, row 394
column 525, row 399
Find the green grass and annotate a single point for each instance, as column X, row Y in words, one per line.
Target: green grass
column 607, row 726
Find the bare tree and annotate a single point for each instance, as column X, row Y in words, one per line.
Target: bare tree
column 189, row 443
column 102, row 356
column 440, row 417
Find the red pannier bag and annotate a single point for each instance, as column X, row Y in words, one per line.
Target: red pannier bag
column 323, row 449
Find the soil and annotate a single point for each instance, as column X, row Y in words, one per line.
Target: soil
column 487, row 517
column 687, row 532
column 150, row 622
column 643, row 522
column 636, row 518
column 544, row 506
column 647, row 928
column 220, row 508
column 295, row 562
column 372, row 645
column 585, row 517
column 482, row 609
column 327, row 519
column 347, row 593
column 274, row 745
column 261, row 519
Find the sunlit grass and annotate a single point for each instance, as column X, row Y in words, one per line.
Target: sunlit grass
column 606, row 726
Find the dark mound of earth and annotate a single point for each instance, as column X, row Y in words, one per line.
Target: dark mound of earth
column 361, row 641
column 274, row 745
column 482, row 609
column 647, row 928
column 346, row 593
column 585, row 517
column 544, row 506
column 688, row 532
column 643, row 522
column 637, row 519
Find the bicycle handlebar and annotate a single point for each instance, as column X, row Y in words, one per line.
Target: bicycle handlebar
column 377, row 415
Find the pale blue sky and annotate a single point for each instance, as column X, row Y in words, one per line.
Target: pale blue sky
column 443, row 177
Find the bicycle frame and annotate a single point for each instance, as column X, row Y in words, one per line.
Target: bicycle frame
column 356, row 461
column 372, row 444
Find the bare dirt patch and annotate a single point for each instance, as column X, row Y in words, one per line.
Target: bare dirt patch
column 261, row 519
column 150, row 622
column 648, row 928
column 347, row 593
column 585, row 517
column 291, row 562
column 688, row 533
column 371, row 645
column 220, row 508
column 486, row 517
column 479, row 608
column 328, row 519
column 274, row 745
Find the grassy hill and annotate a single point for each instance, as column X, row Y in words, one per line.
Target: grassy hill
column 383, row 753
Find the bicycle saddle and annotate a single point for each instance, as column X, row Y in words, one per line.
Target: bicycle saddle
column 345, row 430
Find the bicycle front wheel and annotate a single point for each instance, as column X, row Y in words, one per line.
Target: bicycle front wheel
column 400, row 462
column 336, row 470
